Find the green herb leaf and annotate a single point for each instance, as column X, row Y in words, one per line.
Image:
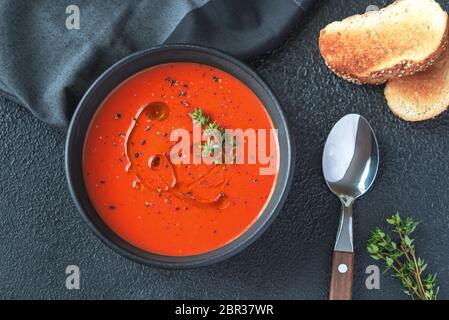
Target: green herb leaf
column 400, row 257
column 407, row 241
column 209, row 147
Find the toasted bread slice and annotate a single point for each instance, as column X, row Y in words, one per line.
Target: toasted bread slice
column 423, row 95
column 400, row 39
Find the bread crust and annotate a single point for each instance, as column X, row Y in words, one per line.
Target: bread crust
column 425, row 116
column 421, row 96
column 403, row 68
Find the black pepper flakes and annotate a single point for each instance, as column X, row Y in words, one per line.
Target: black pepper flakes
column 171, row 81
column 182, row 93
column 142, row 143
column 117, row 116
column 215, row 79
column 136, row 155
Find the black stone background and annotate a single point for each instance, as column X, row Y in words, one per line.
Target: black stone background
column 41, row 232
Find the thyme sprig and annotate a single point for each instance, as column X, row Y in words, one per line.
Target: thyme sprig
column 199, row 117
column 400, row 256
column 209, row 147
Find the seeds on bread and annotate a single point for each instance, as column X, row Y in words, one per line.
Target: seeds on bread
column 399, row 40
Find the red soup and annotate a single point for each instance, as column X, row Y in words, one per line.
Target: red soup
column 146, row 199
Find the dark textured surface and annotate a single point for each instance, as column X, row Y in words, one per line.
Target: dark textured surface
column 41, row 232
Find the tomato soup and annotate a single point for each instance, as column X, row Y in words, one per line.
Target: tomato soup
column 146, row 199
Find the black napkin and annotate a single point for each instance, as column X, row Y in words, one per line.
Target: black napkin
column 47, row 67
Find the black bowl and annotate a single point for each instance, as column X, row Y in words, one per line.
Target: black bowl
column 122, row 71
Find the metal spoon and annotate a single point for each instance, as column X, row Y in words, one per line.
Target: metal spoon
column 350, row 163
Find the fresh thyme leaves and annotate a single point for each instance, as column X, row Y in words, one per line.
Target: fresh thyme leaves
column 212, row 126
column 400, row 256
column 199, row 117
column 209, row 147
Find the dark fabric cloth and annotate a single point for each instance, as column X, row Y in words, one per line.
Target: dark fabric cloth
column 46, row 67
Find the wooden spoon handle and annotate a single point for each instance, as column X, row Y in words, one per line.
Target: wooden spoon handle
column 341, row 279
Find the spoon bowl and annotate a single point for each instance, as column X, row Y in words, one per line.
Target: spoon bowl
column 350, row 158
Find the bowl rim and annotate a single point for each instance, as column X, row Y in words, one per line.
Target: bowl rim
column 209, row 257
